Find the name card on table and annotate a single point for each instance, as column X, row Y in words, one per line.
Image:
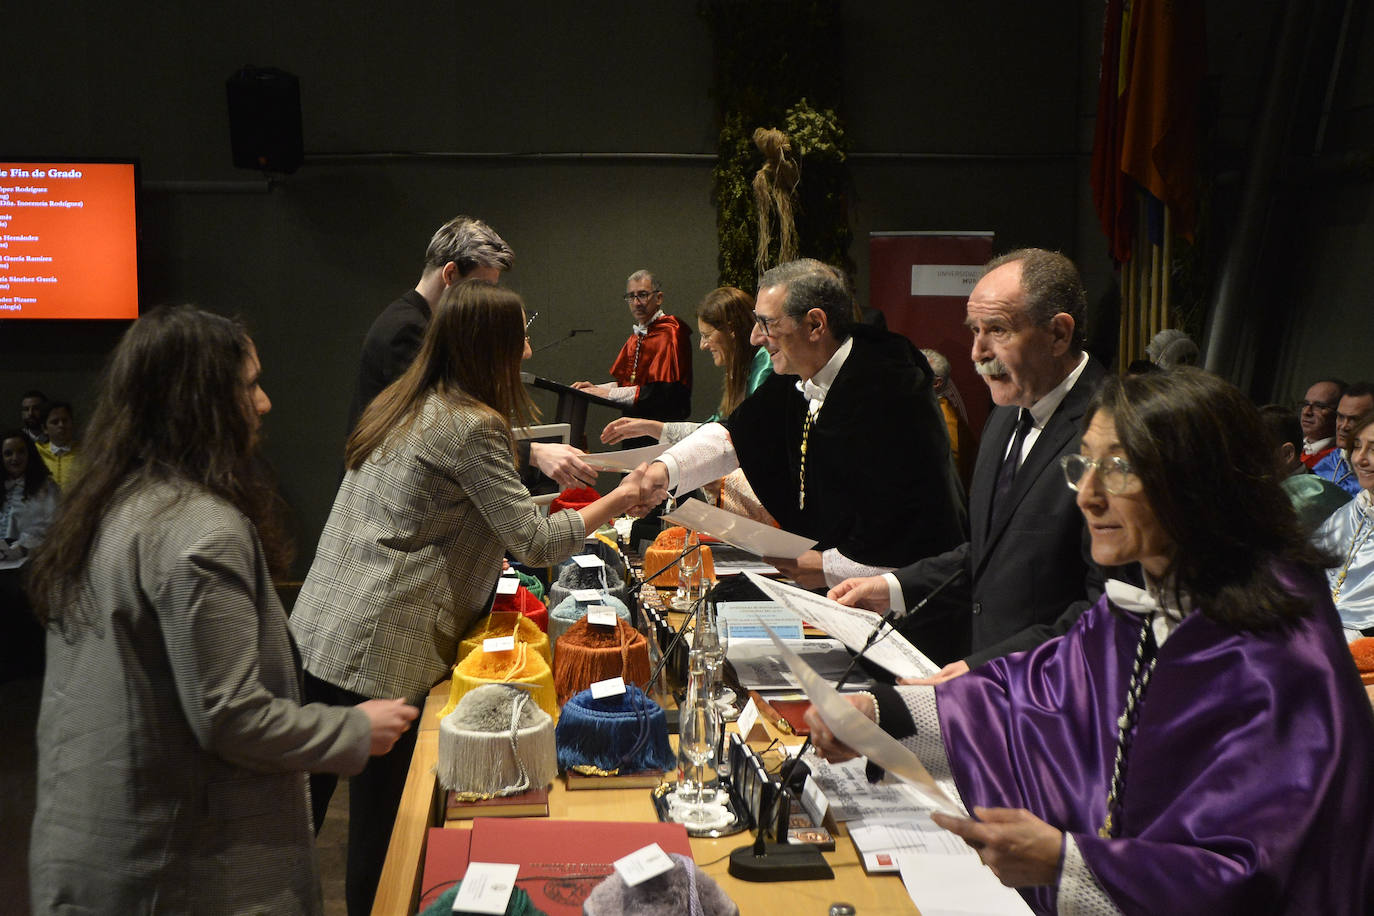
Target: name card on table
column 486, row 888
column 748, row 723
column 611, row 687
column 599, row 615
column 643, row 864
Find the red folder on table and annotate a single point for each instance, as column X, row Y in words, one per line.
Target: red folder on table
column 446, row 861
column 562, row 861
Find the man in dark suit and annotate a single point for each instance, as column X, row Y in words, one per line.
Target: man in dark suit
column 1026, row 562
column 840, row 393
column 461, row 249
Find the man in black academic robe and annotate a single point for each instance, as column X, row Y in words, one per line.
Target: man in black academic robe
column 845, row 443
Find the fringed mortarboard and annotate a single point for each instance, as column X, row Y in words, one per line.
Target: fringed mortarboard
column 573, row 578
column 505, row 623
column 665, row 550
column 522, row 665
column 685, row 889
column 525, row 603
column 569, row 611
column 496, row 742
column 624, row 733
column 589, row 652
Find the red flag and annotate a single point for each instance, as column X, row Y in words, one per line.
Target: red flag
column 1159, row 137
column 1113, row 192
column 1153, row 64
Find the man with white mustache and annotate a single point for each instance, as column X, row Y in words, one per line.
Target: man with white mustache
column 1026, row 562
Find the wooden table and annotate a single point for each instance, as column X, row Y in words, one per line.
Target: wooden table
column 421, row 808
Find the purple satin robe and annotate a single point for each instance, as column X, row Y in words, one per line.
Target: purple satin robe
column 1248, row 787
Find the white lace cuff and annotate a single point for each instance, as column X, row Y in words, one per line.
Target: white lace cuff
column 622, row 394
column 705, row 455
column 1079, row 892
column 928, row 743
column 674, row 433
column 839, row 567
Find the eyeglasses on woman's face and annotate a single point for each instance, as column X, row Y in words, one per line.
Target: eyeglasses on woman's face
column 1115, row 473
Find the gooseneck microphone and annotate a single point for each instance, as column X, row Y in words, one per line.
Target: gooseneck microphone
column 562, row 340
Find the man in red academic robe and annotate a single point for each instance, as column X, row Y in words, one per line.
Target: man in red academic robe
column 653, row 371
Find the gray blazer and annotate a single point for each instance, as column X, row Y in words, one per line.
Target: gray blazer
column 172, row 749
column 412, row 550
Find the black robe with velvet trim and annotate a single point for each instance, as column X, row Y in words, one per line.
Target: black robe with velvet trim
column 880, row 485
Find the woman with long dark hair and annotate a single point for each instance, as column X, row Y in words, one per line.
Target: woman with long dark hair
column 1201, row 745
column 28, row 500
column 172, row 743
column 412, row 549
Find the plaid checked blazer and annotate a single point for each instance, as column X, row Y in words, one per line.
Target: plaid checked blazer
column 172, row 748
column 412, row 550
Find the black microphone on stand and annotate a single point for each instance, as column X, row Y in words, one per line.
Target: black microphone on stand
column 688, row 616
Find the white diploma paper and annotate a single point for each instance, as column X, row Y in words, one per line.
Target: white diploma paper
column 851, row 626
column 863, row 735
column 957, row 886
column 625, row 459
column 745, row 533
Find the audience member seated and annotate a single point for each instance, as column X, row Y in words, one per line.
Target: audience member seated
column 31, row 413
column 30, row 497
column 26, row 513
column 1317, row 411
column 1197, row 746
column 61, row 453
column 962, row 445
column 1171, row 348
column 1346, row 536
column 1357, row 401
column 1314, row 499
column 172, row 743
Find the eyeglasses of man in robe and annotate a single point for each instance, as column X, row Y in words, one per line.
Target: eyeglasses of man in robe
column 639, row 295
column 768, row 325
column 1115, row 473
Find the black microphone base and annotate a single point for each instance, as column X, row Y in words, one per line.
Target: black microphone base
column 780, row 862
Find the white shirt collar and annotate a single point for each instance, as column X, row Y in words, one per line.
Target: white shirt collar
column 1311, row 448
column 642, row 329
column 1043, row 409
column 1143, row 602
column 818, row 386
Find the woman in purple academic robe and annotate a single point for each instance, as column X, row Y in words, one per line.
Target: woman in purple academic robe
column 1202, row 745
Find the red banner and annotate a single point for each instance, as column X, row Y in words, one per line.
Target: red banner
column 921, row 281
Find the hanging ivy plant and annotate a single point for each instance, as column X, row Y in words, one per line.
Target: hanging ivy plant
column 771, row 57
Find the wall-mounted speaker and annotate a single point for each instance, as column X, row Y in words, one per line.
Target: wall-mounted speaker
column 265, row 119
